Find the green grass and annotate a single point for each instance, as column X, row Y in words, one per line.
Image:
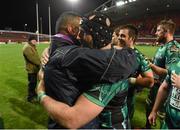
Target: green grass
column 16, row 111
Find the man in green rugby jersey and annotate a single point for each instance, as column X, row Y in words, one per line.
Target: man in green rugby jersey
column 144, row 76
column 172, row 93
column 167, row 54
column 116, row 114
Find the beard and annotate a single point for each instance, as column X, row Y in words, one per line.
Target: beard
column 161, row 39
column 122, row 43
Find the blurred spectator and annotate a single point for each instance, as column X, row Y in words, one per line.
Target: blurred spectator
column 32, row 66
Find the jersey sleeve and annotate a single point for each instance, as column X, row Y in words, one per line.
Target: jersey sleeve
column 159, row 58
column 102, row 94
column 144, row 65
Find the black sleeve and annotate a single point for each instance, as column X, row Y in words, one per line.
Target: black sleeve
column 88, row 65
column 123, row 66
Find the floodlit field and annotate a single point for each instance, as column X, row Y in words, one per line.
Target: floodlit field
column 17, row 112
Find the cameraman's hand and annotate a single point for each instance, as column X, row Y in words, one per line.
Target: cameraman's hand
column 45, row 56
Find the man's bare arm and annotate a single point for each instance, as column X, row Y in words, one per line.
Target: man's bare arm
column 160, row 98
column 144, row 80
column 45, row 56
column 158, row 70
column 70, row 117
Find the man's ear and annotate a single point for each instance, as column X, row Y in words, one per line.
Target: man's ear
column 70, row 29
column 165, row 31
column 131, row 38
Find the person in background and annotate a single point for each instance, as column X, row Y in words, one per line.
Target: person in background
column 32, row 62
column 166, row 54
column 118, row 111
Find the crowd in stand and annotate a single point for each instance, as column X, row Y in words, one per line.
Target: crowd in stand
column 147, row 25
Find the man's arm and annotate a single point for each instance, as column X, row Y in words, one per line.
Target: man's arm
column 45, row 56
column 160, row 98
column 158, row 70
column 144, row 80
column 70, row 117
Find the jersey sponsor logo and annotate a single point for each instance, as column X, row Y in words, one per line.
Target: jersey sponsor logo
column 174, row 48
column 175, row 98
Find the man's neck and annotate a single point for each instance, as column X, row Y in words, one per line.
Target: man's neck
column 131, row 45
column 63, row 32
column 169, row 38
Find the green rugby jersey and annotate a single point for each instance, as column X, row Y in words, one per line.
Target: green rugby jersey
column 114, row 98
column 102, row 94
column 116, row 114
column 143, row 63
column 165, row 55
column 173, row 102
column 103, row 99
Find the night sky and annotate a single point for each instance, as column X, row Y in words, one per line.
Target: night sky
column 16, row 13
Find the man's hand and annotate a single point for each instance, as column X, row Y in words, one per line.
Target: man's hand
column 152, row 118
column 45, row 56
column 175, row 80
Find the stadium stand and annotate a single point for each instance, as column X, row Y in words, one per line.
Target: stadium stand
column 145, row 14
column 19, row 37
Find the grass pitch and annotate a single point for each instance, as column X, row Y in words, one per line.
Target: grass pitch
column 16, row 111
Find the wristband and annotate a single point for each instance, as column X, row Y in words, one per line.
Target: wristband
column 132, row 80
column 41, row 95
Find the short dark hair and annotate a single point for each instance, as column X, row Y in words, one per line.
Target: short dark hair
column 65, row 19
column 133, row 31
column 168, row 25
